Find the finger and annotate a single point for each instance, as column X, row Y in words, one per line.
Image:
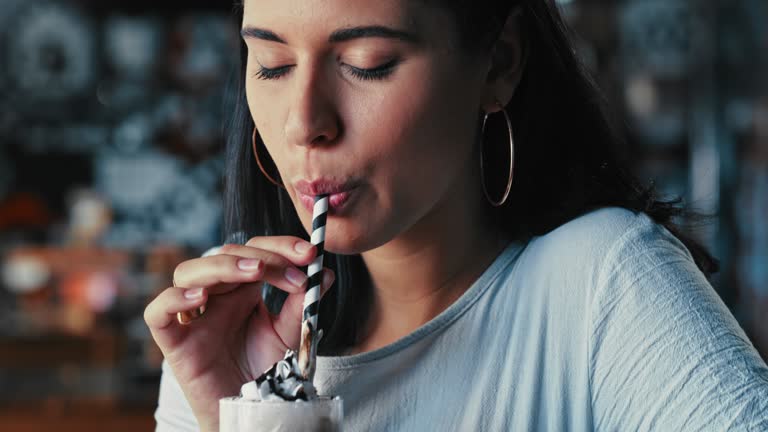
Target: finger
column 329, row 277
column 288, row 323
column 224, row 272
column 162, row 311
column 299, row 251
column 160, row 314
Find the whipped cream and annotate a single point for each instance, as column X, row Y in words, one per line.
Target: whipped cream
column 282, row 382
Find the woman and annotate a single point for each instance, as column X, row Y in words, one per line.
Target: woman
column 554, row 296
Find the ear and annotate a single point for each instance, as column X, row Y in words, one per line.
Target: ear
column 507, row 62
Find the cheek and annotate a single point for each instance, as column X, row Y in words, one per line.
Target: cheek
column 393, row 123
column 263, row 99
column 424, row 131
column 250, row 85
column 264, row 116
column 252, row 96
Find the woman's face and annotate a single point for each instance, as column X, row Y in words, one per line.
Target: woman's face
column 370, row 97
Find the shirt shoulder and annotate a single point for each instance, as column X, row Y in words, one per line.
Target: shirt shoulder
column 594, row 233
column 665, row 353
column 578, row 251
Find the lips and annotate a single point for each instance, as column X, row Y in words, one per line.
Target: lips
column 339, row 192
column 323, row 186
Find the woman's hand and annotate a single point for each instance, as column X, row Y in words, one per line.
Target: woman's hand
column 237, row 338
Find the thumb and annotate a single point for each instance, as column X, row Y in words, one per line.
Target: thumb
column 287, row 324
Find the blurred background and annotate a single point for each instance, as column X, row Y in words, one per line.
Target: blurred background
column 111, row 117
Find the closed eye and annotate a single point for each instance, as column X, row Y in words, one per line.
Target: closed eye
column 377, row 73
column 271, row 73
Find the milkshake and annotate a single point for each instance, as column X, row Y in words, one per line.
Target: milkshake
column 280, row 400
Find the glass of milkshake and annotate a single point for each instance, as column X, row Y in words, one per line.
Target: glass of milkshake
column 280, row 400
column 323, row 414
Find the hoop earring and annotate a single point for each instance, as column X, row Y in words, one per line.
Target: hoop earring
column 511, row 159
column 261, row 167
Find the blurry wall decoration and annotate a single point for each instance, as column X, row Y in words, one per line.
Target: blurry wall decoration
column 51, row 56
column 111, row 117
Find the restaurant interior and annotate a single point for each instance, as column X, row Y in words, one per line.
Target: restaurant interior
column 111, row 167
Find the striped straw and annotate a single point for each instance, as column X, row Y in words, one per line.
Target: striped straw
column 315, row 270
column 309, row 334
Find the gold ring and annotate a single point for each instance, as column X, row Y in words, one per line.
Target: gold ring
column 186, row 317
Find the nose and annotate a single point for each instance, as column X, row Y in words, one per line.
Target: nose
column 312, row 117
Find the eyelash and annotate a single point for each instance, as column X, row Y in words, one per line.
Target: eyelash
column 378, row 73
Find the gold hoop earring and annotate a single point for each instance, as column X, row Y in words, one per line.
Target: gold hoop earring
column 511, row 159
column 261, row 167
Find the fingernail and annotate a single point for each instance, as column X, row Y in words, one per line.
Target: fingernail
column 193, row 293
column 248, row 264
column 296, row 277
column 302, row 246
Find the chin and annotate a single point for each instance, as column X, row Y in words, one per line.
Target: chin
column 347, row 240
column 344, row 243
column 349, row 234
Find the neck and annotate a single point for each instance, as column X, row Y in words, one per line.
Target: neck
column 424, row 270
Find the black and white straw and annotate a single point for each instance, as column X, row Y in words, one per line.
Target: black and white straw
column 315, row 269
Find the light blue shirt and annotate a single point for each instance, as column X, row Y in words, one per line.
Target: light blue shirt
column 603, row 324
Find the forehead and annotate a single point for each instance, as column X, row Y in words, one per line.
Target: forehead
column 335, row 10
column 298, row 22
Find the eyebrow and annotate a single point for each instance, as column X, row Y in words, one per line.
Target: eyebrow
column 341, row 35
